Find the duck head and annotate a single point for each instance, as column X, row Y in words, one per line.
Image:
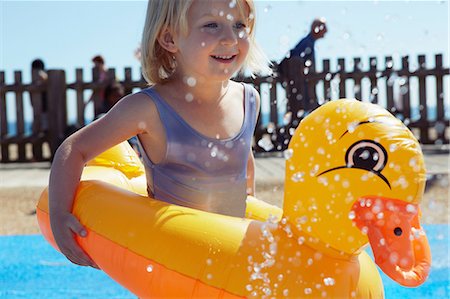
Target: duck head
column 355, row 175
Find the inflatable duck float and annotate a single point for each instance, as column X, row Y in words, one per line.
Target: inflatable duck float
column 354, row 176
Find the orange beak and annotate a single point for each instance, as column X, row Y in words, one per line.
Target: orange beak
column 398, row 242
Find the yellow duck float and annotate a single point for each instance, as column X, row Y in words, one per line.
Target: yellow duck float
column 354, row 175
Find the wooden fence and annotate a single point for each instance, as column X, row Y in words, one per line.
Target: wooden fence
column 395, row 88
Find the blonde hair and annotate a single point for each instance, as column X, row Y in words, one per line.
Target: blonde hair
column 158, row 64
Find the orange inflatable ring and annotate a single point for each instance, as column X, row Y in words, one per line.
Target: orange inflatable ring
column 341, row 193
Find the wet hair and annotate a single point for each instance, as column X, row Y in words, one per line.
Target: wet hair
column 98, row 59
column 38, row 64
column 158, row 64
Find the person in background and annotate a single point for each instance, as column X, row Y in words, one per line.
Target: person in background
column 39, row 77
column 194, row 124
column 113, row 93
column 305, row 47
column 304, row 52
column 101, row 77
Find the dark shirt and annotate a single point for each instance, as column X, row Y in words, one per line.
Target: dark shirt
column 305, row 49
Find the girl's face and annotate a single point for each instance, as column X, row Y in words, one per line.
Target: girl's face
column 216, row 43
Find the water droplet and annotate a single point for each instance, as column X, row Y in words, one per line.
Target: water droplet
column 351, row 215
column 345, row 184
column 288, row 154
column 308, row 291
column 256, row 268
column 149, row 268
column 365, row 230
column 191, row 81
column 328, row 281
column 352, row 126
column 266, row 143
column 267, row 291
column 314, row 170
column 298, row 177
column 285, row 292
column 411, row 208
column 301, row 240
column 394, row 257
column 189, row 97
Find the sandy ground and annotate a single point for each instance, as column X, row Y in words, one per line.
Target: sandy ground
column 17, row 205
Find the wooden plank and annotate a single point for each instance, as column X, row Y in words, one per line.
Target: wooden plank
column 57, row 108
column 423, row 108
column 273, row 103
column 38, row 135
column 342, row 77
column 327, row 80
column 405, row 89
column 389, row 73
column 440, row 108
column 79, row 91
column 357, row 77
column 128, row 81
column 3, row 119
column 20, row 122
column 373, row 80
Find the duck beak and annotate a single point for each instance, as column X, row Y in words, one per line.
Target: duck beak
column 398, row 242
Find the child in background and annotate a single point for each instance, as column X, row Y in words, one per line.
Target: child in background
column 194, row 124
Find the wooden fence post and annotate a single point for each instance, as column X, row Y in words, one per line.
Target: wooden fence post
column 3, row 118
column 373, row 80
column 405, row 89
column 357, row 77
column 390, row 105
column 128, row 81
column 40, row 128
column 423, row 109
column 327, row 80
column 57, row 108
column 440, row 109
column 342, row 77
column 20, row 122
column 79, row 89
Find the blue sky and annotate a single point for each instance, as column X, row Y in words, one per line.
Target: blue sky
column 67, row 34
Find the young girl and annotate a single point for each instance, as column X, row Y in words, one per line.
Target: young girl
column 194, row 124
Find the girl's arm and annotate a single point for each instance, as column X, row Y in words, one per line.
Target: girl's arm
column 123, row 121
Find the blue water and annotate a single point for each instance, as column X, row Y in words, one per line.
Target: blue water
column 31, row 268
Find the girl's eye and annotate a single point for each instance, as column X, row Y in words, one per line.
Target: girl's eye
column 210, row 25
column 240, row 25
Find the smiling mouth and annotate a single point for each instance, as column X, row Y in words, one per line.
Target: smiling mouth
column 224, row 58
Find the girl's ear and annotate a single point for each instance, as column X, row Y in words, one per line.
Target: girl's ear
column 166, row 40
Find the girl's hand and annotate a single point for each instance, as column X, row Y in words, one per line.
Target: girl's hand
column 65, row 227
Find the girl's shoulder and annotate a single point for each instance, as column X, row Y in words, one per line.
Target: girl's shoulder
column 138, row 105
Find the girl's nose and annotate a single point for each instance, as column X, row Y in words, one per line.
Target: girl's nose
column 229, row 36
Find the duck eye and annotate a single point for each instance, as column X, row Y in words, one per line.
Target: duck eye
column 398, row 231
column 366, row 154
